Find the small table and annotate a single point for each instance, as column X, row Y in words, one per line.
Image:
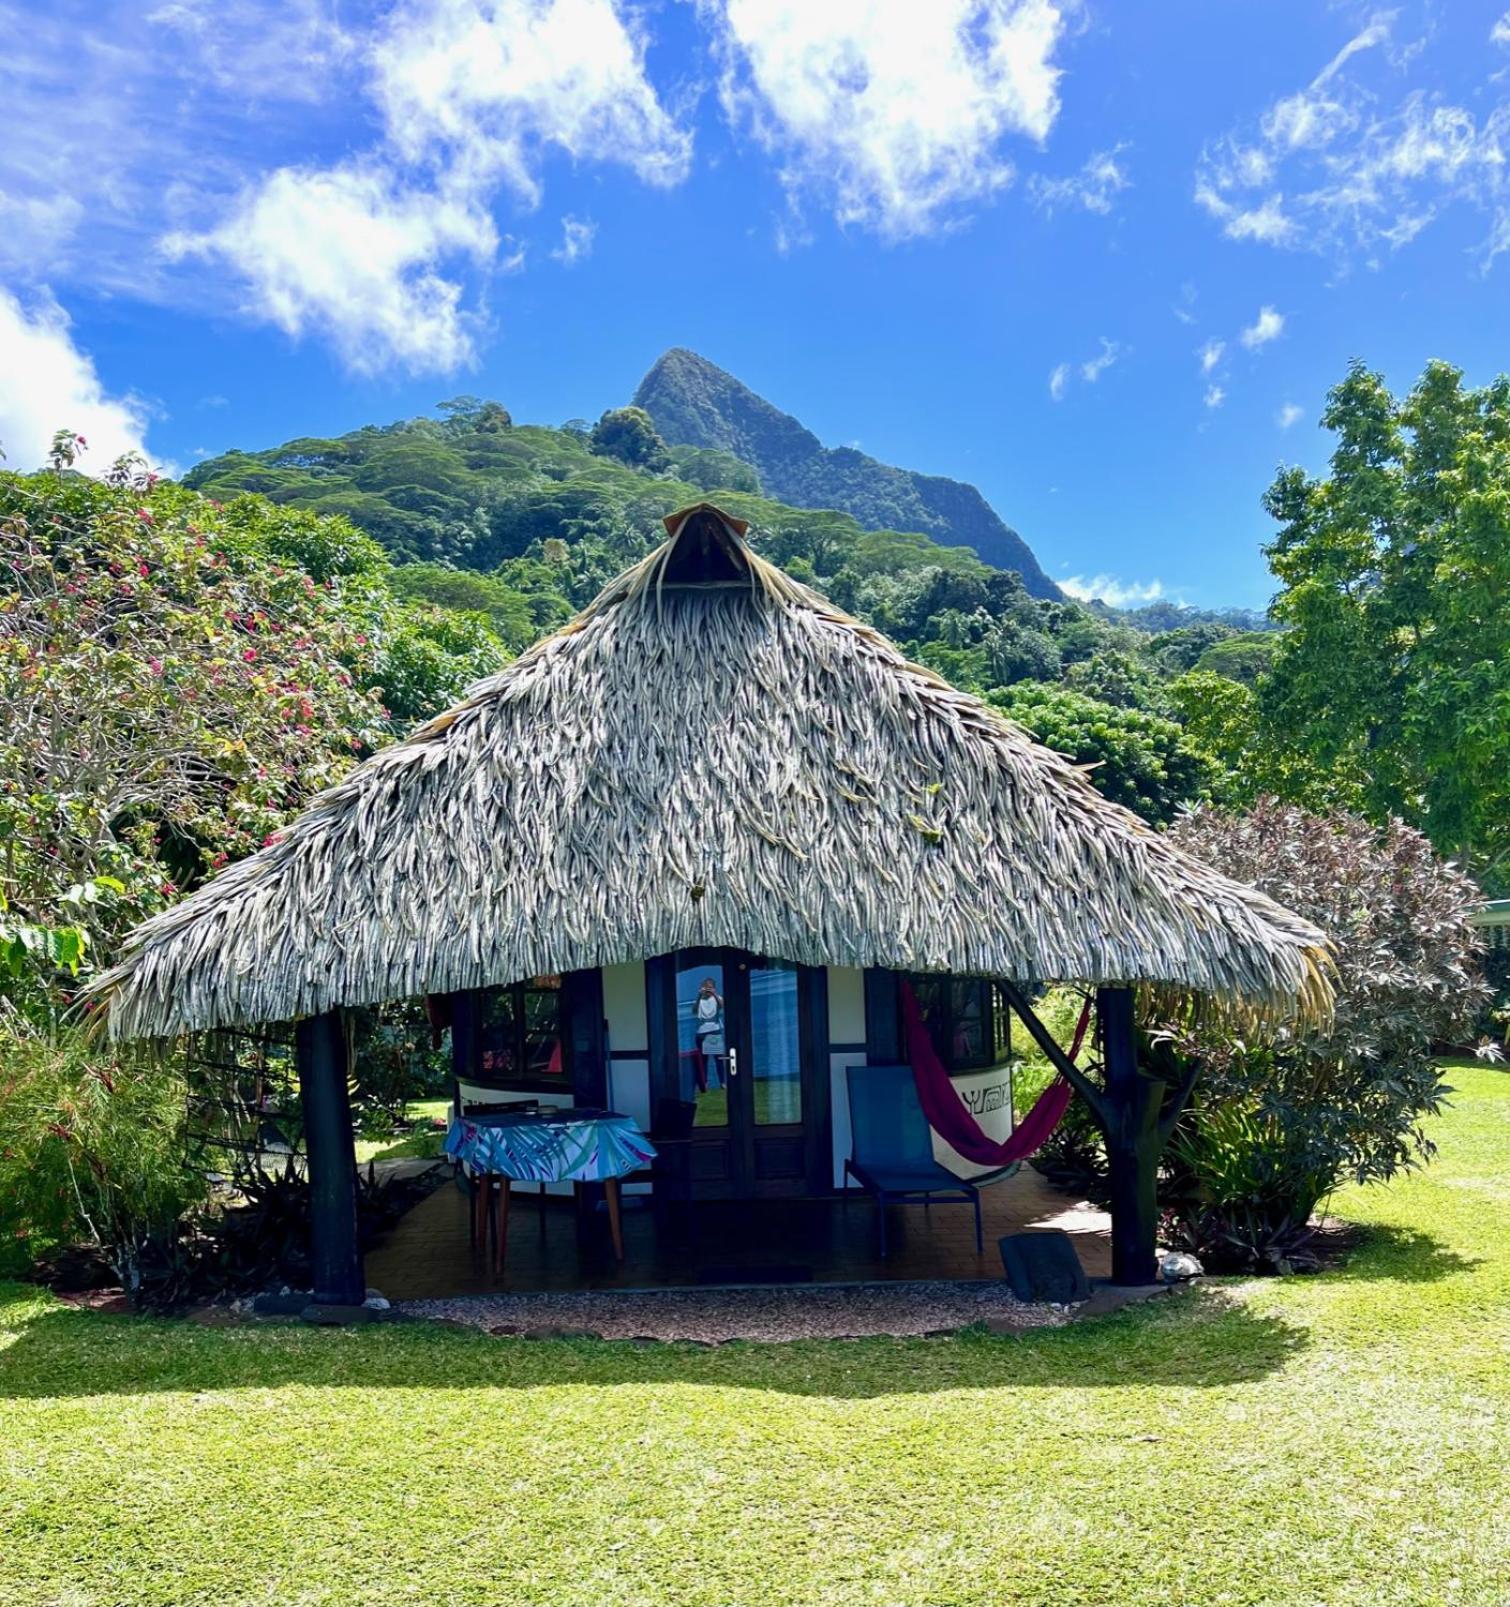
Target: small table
column 547, row 1146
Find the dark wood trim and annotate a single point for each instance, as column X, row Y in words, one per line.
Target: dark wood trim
column 883, row 1035
column 322, row 1050
column 660, row 1024
column 814, row 1050
column 843, row 1048
column 464, row 1047
column 583, row 1031
column 629, row 1054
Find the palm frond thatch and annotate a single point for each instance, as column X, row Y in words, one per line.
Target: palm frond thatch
column 708, row 754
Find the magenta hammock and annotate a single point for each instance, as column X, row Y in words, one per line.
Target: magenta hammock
column 951, row 1119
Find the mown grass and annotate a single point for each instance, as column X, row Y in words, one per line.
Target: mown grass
column 1335, row 1440
column 422, row 1144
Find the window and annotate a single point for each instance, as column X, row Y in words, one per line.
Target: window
column 967, row 1019
column 520, row 1034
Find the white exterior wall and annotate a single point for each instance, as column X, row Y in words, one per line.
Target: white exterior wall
column 629, row 1037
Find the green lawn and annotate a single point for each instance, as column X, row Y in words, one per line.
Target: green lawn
column 424, row 1143
column 1334, row 1440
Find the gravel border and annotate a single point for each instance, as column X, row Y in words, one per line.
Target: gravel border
column 769, row 1315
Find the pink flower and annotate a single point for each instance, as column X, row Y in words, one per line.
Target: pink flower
column 169, row 889
column 142, row 569
column 250, row 655
column 145, row 515
column 156, row 665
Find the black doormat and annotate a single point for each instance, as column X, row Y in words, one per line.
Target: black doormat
column 785, row 1272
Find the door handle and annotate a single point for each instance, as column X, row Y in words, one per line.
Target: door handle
column 733, row 1061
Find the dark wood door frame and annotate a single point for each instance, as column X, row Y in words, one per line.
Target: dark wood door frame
column 743, row 1136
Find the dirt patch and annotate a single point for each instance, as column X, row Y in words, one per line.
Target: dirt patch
column 714, row 1316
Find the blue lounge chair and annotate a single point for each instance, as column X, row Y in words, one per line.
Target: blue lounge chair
column 891, row 1147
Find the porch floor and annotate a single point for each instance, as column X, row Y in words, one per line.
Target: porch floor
column 427, row 1255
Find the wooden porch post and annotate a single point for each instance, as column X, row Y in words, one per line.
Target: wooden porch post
column 1134, row 1140
column 323, row 1054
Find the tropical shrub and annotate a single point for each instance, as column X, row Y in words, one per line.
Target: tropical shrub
column 94, row 1148
column 1274, row 1128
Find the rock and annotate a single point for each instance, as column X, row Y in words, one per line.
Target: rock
column 323, row 1316
column 376, row 1302
column 1109, row 1297
column 550, row 1330
column 1175, row 1266
column 1042, row 1268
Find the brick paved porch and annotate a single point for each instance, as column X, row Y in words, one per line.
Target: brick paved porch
column 764, row 1241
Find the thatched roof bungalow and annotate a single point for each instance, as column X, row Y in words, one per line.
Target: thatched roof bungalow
column 709, row 761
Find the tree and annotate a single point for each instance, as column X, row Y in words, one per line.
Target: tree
column 1118, row 678
column 1139, row 760
column 627, row 433
column 1395, row 569
column 1276, row 1128
column 1241, row 657
column 1222, row 723
column 1021, row 653
column 173, row 686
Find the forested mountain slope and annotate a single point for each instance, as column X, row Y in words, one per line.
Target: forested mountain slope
column 695, row 403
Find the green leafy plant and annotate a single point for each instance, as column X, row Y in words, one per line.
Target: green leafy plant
column 1275, row 1128
column 93, row 1148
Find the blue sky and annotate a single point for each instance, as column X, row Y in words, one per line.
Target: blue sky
column 1101, row 259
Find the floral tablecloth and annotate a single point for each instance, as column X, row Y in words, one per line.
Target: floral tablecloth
column 564, row 1146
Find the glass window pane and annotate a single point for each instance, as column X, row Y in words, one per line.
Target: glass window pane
column 929, row 993
column 496, row 1031
column 541, row 1008
column 703, row 1043
column 775, row 1044
column 968, row 1045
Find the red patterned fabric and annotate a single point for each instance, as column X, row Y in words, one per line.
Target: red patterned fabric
column 951, row 1119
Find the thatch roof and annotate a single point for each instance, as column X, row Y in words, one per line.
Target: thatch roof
column 709, row 753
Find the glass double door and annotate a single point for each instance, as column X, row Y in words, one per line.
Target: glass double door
column 730, row 1070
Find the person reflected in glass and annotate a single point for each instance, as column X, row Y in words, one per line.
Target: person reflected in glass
column 708, row 1014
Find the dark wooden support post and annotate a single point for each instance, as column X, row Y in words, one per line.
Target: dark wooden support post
column 883, row 1033
column 1134, row 1139
column 324, row 1061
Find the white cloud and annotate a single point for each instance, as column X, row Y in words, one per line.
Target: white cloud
column 1113, row 592
column 1289, row 415
column 1089, row 372
column 1095, row 367
column 1499, row 34
column 577, row 235
column 1211, row 354
column 347, row 253
column 205, row 127
column 486, row 87
column 893, row 113
column 48, row 384
column 1215, row 396
column 1184, row 308
column 1268, row 326
column 1094, row 187
column 373, row 253
column 1332, row 168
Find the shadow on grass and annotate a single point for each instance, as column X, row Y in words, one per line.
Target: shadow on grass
column 1200, row 1340
column 1404, row 1254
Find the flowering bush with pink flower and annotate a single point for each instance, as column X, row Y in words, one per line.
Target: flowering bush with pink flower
column 177, row 679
